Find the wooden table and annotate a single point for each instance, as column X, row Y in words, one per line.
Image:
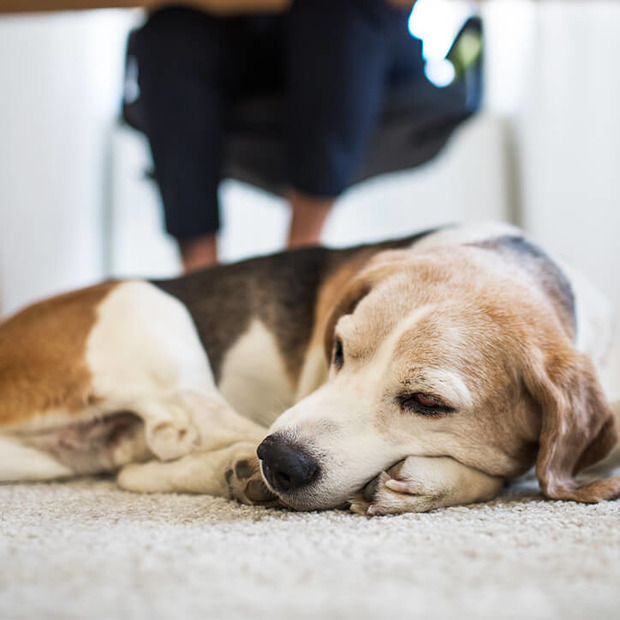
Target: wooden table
column 215, row 6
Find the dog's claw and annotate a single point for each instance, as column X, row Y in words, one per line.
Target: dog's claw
column 359, row 507
column 394, row 492
column 397, row 485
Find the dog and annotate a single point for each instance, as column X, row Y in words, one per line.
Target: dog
column 400, row 376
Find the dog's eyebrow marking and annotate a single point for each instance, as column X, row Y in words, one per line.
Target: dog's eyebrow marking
column 442, row 382
column 345, row 327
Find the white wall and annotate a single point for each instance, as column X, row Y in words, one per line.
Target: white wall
column 59, row 82
column 559, row 84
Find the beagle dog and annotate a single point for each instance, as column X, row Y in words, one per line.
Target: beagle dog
column 400, row 376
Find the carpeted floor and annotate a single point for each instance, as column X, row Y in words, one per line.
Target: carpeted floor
column 86, row 550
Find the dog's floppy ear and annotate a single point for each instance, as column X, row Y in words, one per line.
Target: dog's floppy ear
column 578, row 426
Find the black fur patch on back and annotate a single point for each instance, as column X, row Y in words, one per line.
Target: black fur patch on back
column 280, row 290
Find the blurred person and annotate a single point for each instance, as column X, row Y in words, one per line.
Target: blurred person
column 331, row 59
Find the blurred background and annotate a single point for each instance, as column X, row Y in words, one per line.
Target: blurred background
column 77, row 203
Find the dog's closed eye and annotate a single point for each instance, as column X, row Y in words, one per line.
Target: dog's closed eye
column 423, row 404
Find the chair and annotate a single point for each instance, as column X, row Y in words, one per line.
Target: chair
column 416, row 122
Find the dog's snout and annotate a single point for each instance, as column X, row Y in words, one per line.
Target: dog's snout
column 287, row 466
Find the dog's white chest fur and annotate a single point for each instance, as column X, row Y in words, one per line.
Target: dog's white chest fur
column 254, row 379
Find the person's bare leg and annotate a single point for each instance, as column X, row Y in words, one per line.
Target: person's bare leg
column 198, row 253
column 309, row 214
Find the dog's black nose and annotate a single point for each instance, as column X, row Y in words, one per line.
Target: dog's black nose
column 286, row 466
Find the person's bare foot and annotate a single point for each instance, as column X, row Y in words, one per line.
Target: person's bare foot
column 309, row 214
column 198, row 253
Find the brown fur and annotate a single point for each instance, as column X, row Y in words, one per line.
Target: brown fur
column 42, row 356
column 578, row 426
column 499, row 333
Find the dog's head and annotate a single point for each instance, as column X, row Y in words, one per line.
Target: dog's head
column 443, row 354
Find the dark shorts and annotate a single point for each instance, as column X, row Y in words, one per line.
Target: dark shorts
column 330, row 59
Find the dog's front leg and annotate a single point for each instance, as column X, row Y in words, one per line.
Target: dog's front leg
column 221, row 460
column 232, row 472
column 184, row 421
column 419, row 484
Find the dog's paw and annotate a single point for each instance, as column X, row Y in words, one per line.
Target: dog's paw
column 169, row 440
column 246, row 484
column 400, row 489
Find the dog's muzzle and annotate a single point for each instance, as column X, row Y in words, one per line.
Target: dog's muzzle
column 286, row 466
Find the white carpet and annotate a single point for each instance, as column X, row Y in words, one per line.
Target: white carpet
column 88, row 550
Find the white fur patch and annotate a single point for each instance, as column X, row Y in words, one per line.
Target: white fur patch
column 19, row 462
column 145, row 345
column 254, row 379
column 467, row 233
